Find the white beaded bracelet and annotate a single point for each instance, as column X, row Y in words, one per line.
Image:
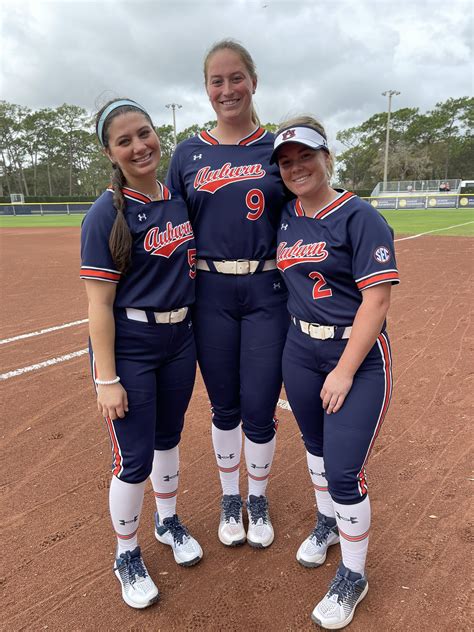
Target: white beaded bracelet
column 107, row 382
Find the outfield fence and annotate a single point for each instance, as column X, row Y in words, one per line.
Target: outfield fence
column 45, row 208
column 412, row 201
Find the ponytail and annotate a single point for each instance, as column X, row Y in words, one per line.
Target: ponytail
column 120, row 240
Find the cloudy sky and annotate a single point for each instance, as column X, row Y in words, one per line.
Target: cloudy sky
column 332, row 58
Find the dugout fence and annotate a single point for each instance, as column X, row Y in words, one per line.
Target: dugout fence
column 44, row 208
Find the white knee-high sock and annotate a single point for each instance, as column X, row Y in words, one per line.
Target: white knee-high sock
column 125, row 503
column 318, row 478
column 227, row 448
column 164, row 479
column 353, row 522
column 258, row 458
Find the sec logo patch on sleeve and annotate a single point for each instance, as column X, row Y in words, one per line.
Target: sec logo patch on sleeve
column 382, row 254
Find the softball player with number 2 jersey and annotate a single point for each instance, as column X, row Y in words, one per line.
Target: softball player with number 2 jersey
column 336, row 255
column 137, row 249
column 234, row 198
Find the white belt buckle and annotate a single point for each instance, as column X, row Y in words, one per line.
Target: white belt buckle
column 242, row 266
column 321, row 332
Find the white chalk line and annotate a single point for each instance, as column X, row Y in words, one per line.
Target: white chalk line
column 41, row 365
column 43, row 331
column 436, row 230
column 282, row 403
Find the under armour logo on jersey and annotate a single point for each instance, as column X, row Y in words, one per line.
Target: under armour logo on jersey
column 277, row 286
column 382, row 254
column 168, row 477
column 197, row 156
column 226, row 456
column 351, row 519
column 260, row 467
column 288, row 134
column 190, row 324
column 284, row 226
column 124, row 522
column 141, row 217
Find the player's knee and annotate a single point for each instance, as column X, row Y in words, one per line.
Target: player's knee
column 343, row 488
column 259, row 432
column 225, row 419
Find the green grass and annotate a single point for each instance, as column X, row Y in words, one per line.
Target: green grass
column 44, row 221
column 422, row 221
column 402, row 222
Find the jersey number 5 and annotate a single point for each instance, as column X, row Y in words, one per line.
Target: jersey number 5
column 318, row 288
column 255, row 201
column 192, row 262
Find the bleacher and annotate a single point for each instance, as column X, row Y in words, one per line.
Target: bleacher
column 416, row 187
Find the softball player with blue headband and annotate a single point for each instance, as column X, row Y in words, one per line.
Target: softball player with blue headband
column 337, row 257
column 138, row 263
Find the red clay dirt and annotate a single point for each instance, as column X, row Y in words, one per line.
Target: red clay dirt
column 58, row 544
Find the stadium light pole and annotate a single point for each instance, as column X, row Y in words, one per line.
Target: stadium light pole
column 174, row 107
column 389, row 94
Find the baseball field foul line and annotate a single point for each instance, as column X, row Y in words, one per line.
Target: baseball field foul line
column 43, row 331
column 41, row 365
column 436, row 230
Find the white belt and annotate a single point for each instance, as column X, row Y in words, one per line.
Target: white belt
column 239, row 266
column 322, row 332
column 162, row 318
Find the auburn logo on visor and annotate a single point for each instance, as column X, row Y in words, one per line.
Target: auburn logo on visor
column 289, row 134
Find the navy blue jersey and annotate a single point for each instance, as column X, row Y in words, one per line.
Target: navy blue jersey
column 328, row 260
column 234, row 195
column 162, row 271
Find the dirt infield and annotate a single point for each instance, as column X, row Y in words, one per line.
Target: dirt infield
column 58, row 545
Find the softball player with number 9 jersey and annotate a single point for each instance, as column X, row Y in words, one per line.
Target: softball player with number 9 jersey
column 336, row 255
column 137, row 249
column 234, row 198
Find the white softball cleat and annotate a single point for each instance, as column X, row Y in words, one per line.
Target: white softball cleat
column 336, row 609
column 138, row 589
column 231, row 530
column 171, row 531
column 260, row 532
column 313, row 550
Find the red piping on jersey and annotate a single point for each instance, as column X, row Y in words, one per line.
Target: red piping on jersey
column 383, row 277
column 117, row 460
column 256, row 135
column 382, row 342
column 141, row 197
column 207, row 138
column 333, row 205
column 104, row 275
column 248, row 140
column 299, row 208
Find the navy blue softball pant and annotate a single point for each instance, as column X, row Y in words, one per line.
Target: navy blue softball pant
column 240, row 325
column 157, row 367
column 345, row 439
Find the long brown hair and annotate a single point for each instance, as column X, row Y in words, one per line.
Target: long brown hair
column 120, row 240
column 245, row 57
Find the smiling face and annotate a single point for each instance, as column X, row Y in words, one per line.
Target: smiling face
column 304, row 171
column 133, row 145
column 229, row 86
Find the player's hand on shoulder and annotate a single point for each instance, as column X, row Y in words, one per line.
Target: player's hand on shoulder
column 112, row 400
column 335, row 388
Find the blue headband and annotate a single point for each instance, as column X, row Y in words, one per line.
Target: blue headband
column 110, row 108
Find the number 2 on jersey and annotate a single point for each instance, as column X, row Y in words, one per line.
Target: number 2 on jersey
column 318, row 291
column 255, row 201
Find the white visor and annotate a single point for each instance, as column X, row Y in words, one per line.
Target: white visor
column 304, row 135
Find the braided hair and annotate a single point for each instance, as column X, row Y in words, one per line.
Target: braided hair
column 120, row 239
